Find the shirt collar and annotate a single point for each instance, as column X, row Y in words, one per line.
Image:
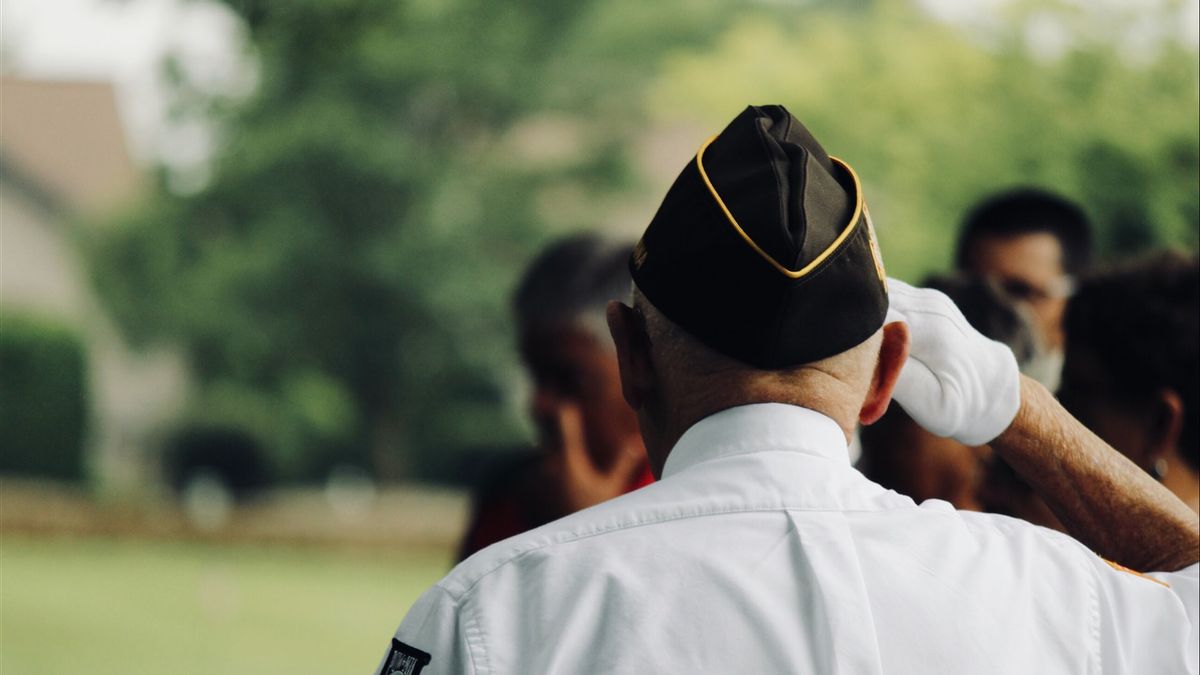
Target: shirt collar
column 755, row 428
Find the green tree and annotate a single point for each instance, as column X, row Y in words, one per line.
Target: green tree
column 934, row 116
column 341, row 282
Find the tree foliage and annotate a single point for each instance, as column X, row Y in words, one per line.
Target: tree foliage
column 340, row 284
column 935, row 117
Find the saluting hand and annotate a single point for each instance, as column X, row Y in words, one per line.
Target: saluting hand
column 956, row 382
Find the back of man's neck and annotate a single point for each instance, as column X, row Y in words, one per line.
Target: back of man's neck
column 814, row 390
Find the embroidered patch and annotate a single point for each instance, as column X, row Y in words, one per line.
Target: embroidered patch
column 639, row 254
column 874, row 245
column 404, row 660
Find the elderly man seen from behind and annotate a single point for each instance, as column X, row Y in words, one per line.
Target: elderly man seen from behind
column 757, row 338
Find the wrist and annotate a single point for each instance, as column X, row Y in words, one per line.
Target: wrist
column 1032, row 397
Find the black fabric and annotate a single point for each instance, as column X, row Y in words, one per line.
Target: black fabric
column 793, row 202
column 405, row 660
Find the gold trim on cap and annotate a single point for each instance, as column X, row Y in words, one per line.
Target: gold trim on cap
column 793, row 274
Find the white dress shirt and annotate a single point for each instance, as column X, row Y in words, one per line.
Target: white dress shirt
column 762, row 550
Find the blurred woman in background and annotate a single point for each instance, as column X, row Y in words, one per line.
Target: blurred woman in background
column 1131, row 376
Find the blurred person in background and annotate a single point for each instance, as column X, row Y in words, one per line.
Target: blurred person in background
column 1033, row 244
column 589, row 449
column 762, row 329
column 899, row 454
column 1131, row 375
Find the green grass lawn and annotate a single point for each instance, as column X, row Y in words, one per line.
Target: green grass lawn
column 103, row 606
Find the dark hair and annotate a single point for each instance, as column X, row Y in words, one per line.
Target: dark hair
column 1142, row 322
column 990, row 312
column 1028, row 211
column 571, row 278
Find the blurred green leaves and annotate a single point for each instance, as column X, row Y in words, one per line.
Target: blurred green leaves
column 341, row 283
column 934, row 117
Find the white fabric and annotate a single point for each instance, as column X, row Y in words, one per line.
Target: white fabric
column 956, row 382
column 763, row 551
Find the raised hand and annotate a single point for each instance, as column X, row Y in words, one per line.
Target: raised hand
column 956, row 382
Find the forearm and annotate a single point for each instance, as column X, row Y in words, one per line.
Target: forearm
column 1102, row 498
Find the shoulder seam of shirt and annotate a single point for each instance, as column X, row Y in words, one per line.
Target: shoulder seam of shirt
column 476, row 629
column 456, row 604
column 629, row 526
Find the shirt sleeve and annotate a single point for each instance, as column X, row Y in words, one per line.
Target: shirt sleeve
column 430, row 639
column 1148, row 623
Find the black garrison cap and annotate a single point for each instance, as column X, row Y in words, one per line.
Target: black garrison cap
column 763, row 248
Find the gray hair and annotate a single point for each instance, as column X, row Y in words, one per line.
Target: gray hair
column 571, row 282
column 682, row 352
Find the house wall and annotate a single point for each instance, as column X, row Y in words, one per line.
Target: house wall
column 134, row 394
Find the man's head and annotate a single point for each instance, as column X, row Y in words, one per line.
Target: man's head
column 758, row 280
column 1131, row 371
column 559, row 307
column 673, row 379
column 1033, row 243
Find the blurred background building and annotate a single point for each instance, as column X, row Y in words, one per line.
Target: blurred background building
column 64, row 165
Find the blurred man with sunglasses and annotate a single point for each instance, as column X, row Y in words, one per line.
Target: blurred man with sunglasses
column 1032, row 244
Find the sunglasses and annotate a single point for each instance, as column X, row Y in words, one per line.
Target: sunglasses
column 1019, row 289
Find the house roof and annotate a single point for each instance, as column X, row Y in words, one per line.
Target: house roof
column 66, row 138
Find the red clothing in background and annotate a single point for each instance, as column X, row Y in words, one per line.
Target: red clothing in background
column 512, row 500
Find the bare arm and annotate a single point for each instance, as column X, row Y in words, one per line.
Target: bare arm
column 1103, row 499
column 958, row 383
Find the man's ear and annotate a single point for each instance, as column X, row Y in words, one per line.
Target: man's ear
column 893, row 352
column 628, row 329
column 1168, row 422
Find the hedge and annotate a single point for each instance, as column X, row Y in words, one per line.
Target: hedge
column 43, row 399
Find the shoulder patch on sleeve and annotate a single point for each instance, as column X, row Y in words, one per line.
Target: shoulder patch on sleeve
column 1121, row 568
column 404, row 660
